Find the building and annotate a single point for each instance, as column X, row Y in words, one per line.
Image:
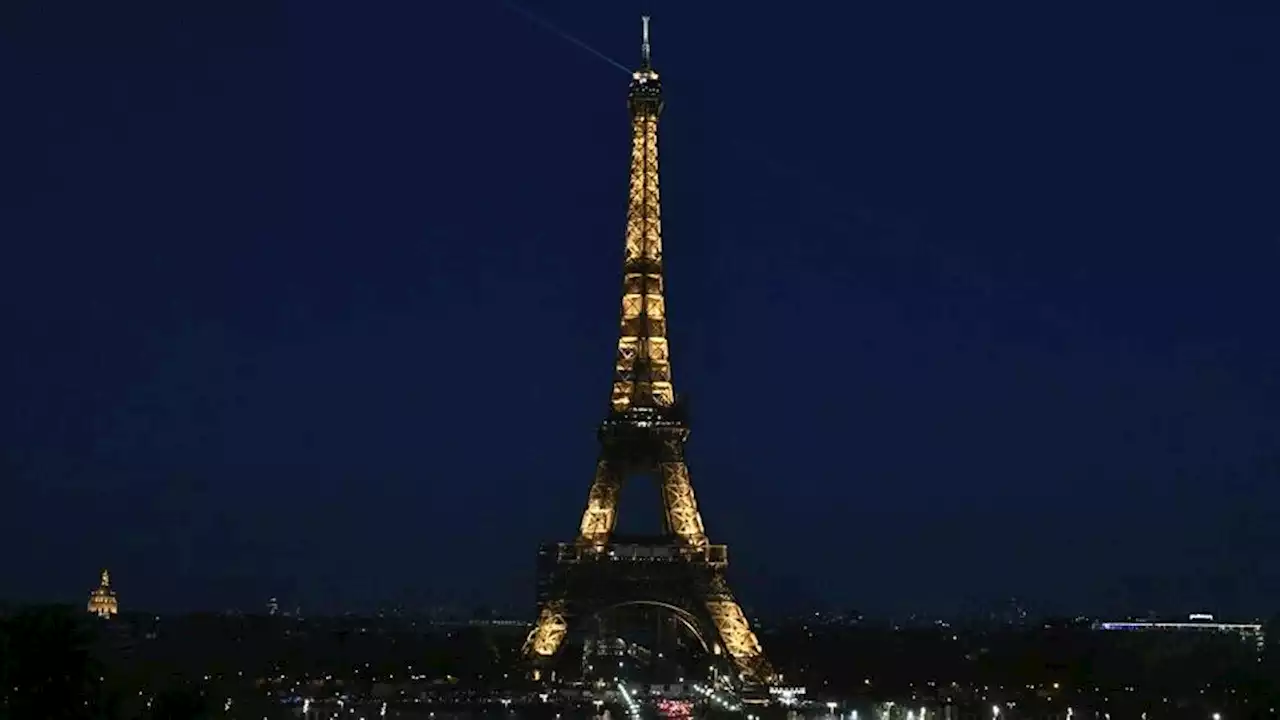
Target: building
column 102, row 601
column 1204, row 623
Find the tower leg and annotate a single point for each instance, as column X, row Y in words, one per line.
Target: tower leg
column 547, row 635
column 601, row 515
column 735, row 632
column 683, row 518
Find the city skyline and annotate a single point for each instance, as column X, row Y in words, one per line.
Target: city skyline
column 953, row 327
column 1002, row 611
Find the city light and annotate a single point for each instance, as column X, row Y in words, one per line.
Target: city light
column 632, row 706
column 717, row 699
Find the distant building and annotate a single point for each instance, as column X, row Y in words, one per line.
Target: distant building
column 102, row 602
column 1251, row 633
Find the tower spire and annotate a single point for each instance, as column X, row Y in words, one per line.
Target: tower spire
column 644, row 42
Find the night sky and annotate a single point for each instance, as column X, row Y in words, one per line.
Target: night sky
column 319, row 301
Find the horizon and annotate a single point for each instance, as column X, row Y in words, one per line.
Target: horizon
column 991, row 610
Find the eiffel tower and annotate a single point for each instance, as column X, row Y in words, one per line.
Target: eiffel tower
column 644, row 433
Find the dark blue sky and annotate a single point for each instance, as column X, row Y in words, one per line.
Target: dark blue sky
column 319, row 301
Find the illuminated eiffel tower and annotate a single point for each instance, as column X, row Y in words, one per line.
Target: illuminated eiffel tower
column 644, row 433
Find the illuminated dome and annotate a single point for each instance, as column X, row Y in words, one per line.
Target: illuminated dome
column 102, row 602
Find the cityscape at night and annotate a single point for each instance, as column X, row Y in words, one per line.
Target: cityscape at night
column 324, row 401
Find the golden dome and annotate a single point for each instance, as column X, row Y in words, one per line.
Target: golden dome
column 102, row 602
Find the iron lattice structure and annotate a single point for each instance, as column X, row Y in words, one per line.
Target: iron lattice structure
column 644, row 433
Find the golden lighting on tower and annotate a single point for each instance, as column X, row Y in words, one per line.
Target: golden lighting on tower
column 642, row 373
column 646, row 433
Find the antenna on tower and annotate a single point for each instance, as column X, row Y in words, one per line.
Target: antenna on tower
column 644, row 41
